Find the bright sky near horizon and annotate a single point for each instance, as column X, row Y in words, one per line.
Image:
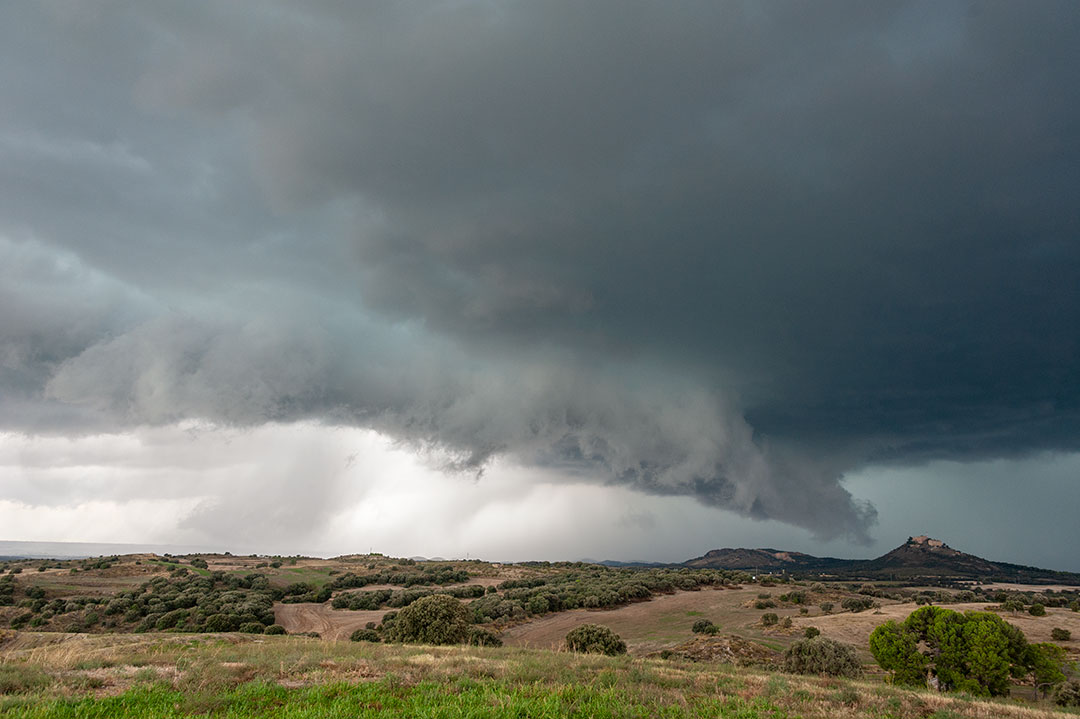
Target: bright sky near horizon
column 542, row 280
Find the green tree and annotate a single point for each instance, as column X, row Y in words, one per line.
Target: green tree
column 434, row 619
column 896, row 650
column 594, row 638
column 976, row 652
column 1046, row 662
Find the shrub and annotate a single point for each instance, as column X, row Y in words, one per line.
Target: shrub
column 1068, row 694
column 480, row 637
column 595, row 639
column 435, row 619
column 764, row 604
column 819, row 655
column 786, row 623
column 1037, row 610
column 274, row 629
column 826, row 607
column 769, row 619
column 21, row 621
column 364, row 635
column 1060, row 635
column 252, row 628
column 704, row 626
column 811, row 632
column 1012, row 605
column 857, row 604
column 221, row 623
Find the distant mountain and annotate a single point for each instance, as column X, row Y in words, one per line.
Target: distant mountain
column 761, row 559
column 923, row 554
column 920, row 556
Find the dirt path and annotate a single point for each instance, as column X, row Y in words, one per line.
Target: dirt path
column 330, row 623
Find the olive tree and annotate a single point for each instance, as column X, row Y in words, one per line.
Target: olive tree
column 594, row 638
column 434, row 619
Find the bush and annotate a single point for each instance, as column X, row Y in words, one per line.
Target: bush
column 274, row 629
column 704, row 626
column 811, row 632
column 221, row 623
column 595, row 639
column 252, row 628
column 480, row 637
column 435, row 619
column 1037, row 610
column 1068, row 694
column 786, row 623
column 364, row 635
column 819, row 655
column 769, row 619
column 1060, row 635
column 826, row 607
column 857, row 604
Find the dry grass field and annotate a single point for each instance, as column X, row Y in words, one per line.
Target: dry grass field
column 47, row 673
column 162, row 675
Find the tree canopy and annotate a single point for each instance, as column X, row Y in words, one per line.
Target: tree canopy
column 975, row 652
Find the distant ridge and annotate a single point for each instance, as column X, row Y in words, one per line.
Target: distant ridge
column 920, row 556
column 82, row 550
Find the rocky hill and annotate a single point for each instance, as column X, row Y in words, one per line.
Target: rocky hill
column 919, row 556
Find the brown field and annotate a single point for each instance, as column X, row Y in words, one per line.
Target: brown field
column 856, row 628
column 662, row 622
column 328, row 622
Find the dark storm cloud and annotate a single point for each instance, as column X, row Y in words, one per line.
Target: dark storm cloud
column 725, row 250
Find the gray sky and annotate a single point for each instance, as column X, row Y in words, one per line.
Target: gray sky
column 518, row 279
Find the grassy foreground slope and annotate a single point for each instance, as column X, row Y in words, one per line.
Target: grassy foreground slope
column 233, row 675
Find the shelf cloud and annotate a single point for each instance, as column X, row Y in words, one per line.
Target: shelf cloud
column 726, row 251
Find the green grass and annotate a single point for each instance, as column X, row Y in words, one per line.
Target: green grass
column 388, row 698
column 164, row 675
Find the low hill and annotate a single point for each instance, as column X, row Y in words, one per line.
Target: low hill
column 920, row 556
column 762, row 559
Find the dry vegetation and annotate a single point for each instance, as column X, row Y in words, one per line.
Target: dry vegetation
column 271, row 676
column 696, row 676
